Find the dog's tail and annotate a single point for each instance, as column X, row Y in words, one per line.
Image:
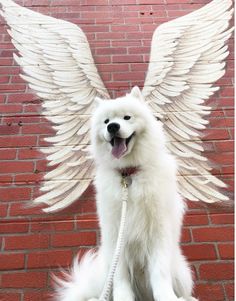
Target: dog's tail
column 85, row 280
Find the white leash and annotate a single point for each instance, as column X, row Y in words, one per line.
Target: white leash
column 105, row 296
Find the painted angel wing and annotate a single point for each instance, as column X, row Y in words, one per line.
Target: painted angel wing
column 187, row 58
column 57, row 62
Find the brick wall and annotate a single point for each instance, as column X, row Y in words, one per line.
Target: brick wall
column 34, row 244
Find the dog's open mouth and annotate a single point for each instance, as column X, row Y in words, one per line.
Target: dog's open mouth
column 120, row 145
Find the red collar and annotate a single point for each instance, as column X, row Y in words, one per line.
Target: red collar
column 128, row 171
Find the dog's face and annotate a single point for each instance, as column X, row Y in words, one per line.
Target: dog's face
column 119, row 132
column 117, row 124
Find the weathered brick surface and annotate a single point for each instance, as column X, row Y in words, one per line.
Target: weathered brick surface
column 33, row 243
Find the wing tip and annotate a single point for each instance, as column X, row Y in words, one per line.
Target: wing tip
column 8, row 3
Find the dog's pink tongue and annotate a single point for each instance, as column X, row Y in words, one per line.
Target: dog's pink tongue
column 119, row 147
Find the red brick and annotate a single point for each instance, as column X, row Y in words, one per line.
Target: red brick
column 111, row 68
column 32, row 108
column 25, row 280
column 216, row 271
column 86, row 206
column 15, row 194
column 98, row 28
column 92, row 2
column 52, row 258
column 10, row 88
column 7, row 154
column 9, row 70
column 226, row 251
column 20, row 98
column 52, row 226
column 37, row 295
column 111, row 51
column 110, row 35
column 22, row 119
column 222, row 158
column 16, row 166
column 35, row 241
column 4, row 79
column 17, row 79
column 42, row 166
column 124, row 28
column 228, row 170
column 31, row 178
column 217, row 134
column 197, row 219
column 74, row 239
column 222, row 122
column 2, row 98
column 227, row 92
column 206, row 291
column 9, row 108
column 37, row 129
column 8, row 296
column 213, row 234
column 227, row 102
column 229, row 288
column 6, row 61
column 14, row 227
column 103, row 60
column 87, row 224
column 3, row 211
column 138, row 67
column 199, row 252
column 126, row 59
column 222, row 218
column 139, row 36
column 224, row 146
column 137, row 50
column 186, row 236
column 124, row 76
column 12, row 261
column 6, row 179
column 24, row 209
column 229, row 112
column 124, row 2
column 29, row 153
column 18, row 141
column 37, row 2
column 153, row 1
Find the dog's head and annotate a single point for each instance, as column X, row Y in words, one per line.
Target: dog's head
column 118, row 125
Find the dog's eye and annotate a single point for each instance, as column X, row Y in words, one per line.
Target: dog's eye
column 127, row 117
column 106, row 121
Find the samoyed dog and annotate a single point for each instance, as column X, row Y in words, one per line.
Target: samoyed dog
column 128, row 140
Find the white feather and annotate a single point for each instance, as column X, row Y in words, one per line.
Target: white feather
column 52, row 54
column 196, row 44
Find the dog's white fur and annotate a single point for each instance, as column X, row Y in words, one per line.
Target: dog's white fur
column 151, row 266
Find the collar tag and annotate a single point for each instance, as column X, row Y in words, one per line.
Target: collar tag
column 126, row 181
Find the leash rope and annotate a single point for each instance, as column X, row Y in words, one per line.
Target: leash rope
column 105, row 296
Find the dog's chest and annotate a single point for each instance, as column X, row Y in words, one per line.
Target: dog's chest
column 142, row 212
column 144, row 208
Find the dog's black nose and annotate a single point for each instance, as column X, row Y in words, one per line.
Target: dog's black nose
column 113, row 128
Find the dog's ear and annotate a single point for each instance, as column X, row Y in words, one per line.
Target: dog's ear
column 98, row 101
column 135, row 92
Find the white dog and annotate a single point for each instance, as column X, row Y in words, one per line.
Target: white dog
column 127, row 139
column 187, row 57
